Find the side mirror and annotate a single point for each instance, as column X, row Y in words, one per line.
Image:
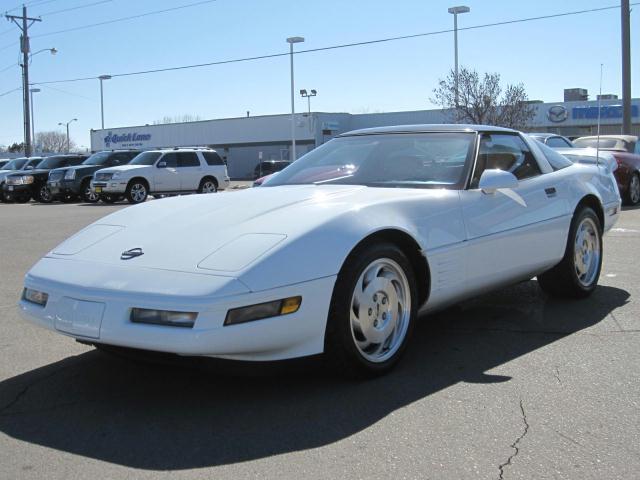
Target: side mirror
column 494, row 179
column 162, row 164
column 29, row 167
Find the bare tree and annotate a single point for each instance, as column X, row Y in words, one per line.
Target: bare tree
column 187, row 117
column 53, row 142
column 484, row 101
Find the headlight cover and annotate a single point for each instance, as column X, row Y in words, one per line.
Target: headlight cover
column 115, row 175
column 163, row 317
column 20, row 180
column 70, row 175
column 261, row 311
column 34, row 296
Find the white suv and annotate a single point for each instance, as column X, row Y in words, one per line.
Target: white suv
column 161, row 172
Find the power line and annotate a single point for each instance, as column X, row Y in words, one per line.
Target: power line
column 122, row 19
column 10, row 91
column 9, row 67
column 336, row 47
column 77, row 7
column 33, row 3
column 70, row 93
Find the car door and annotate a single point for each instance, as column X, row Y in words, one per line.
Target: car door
column 512, row 233
column 165, row 176
column 190, row 171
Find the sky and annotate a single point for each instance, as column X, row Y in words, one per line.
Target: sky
column 546, row 56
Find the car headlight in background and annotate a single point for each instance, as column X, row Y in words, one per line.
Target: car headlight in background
column 20, row 180
column 70, row 175
column 163, row 317
column 263, row 310
column 34, row 296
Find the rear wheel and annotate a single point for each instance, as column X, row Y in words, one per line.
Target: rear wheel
column 373, row 309
column 137, row 191
column 576, row 276
column 633, row 190
column 208, row 185
column 88, row 195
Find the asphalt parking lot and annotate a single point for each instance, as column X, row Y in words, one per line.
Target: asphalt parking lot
column 510, row 385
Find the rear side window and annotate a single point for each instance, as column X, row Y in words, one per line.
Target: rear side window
column 558, row 142
column 188, row 159
column 556, row 160
column 76, row 160
column 212, row 158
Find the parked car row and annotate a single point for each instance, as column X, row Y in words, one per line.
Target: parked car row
column 113, row 175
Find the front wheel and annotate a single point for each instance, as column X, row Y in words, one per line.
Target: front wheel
column 373, row 309
column 207, row 185
column 44, row 195
column 576, row 276
column 88, row 195
column 633, row 190
column 136, row 192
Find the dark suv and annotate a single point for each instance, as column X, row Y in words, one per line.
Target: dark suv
column 22, row 187
column 267, row 167
column 68, row 184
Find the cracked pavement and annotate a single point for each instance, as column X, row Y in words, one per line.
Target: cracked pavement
column 511, row 385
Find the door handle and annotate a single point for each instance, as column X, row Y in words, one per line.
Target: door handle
column 551, row 192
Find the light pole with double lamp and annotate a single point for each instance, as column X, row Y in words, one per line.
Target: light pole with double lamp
column 455, row 11
column 102, row 78
column 308, row 95
column 33, row 120
column 67, row 125
column 291, row 41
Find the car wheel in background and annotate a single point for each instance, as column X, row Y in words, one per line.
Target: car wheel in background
column 372, row 312
column 137, row 191
column 109, row 198
column 44, row 195
column 576, row 276
column 208, row 185
column 633, row 190
column 88, row 195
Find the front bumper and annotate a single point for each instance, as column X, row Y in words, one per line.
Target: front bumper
column 110, row 187
column 97, row 308
column 12, row 192
column 62, row 187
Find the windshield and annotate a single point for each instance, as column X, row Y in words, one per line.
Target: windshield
column 51, row 162
column 413, row 160
column 15, row 164
column 145, row 158
column 97, row 158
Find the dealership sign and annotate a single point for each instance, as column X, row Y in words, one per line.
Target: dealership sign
column 605, row 111
column 126, row 140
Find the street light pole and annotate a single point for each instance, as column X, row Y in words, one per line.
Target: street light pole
column 307, row 95
column 291, row 41
column 67, row 125
column 626, row 67
column 33, row 121
column 102, row 78
column 455, row 11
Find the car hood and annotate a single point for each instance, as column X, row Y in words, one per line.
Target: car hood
column 5, row 173
column 123, row 168
column 295, row 233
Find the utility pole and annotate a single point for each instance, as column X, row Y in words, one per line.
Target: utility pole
column 23, row 23
column 626, row 67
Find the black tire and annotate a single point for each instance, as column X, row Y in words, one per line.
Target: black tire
column 3, row 199
column 632, row 196
column 109, row 198
column 88, row 195
column 564, row 280
column 137, row 191
column 43, row 194
column 340, row 346
column 208, row 185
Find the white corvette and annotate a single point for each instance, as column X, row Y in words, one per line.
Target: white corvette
column 335, row 254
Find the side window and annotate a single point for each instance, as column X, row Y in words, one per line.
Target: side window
column 556, row 160
column 188, row 159
column 505, row 152
column 212, row 158
column 558, row 142
column 120, row 158
column 171, row 159
column 76, row 160
column 131, row 156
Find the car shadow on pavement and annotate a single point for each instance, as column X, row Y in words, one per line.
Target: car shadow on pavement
column 161, row 417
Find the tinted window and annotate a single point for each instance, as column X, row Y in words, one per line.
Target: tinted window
column 556, row 160
column 16, row 164
column 75, row 161
column 171, row 160
column 212, row 158
column 99, row 158
column 505, row 152
column 558, row 142
column 120, row 158
column 53, row 162
column 188, row 159
column 410, row 160
column 34, row 162
column 146, row 158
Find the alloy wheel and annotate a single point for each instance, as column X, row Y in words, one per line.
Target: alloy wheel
column 586, row 252
column 634, row 189
column 138, row 192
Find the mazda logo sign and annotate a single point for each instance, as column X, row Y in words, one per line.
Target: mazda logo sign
column 557, row 113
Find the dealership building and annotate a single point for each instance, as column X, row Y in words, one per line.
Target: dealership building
column 244, row 141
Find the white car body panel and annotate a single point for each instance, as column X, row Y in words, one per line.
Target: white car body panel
column 211, row 253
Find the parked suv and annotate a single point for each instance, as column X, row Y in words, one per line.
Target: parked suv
column 21, row 187
column 69, row 183
column 14, row 166
column 162, row 172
